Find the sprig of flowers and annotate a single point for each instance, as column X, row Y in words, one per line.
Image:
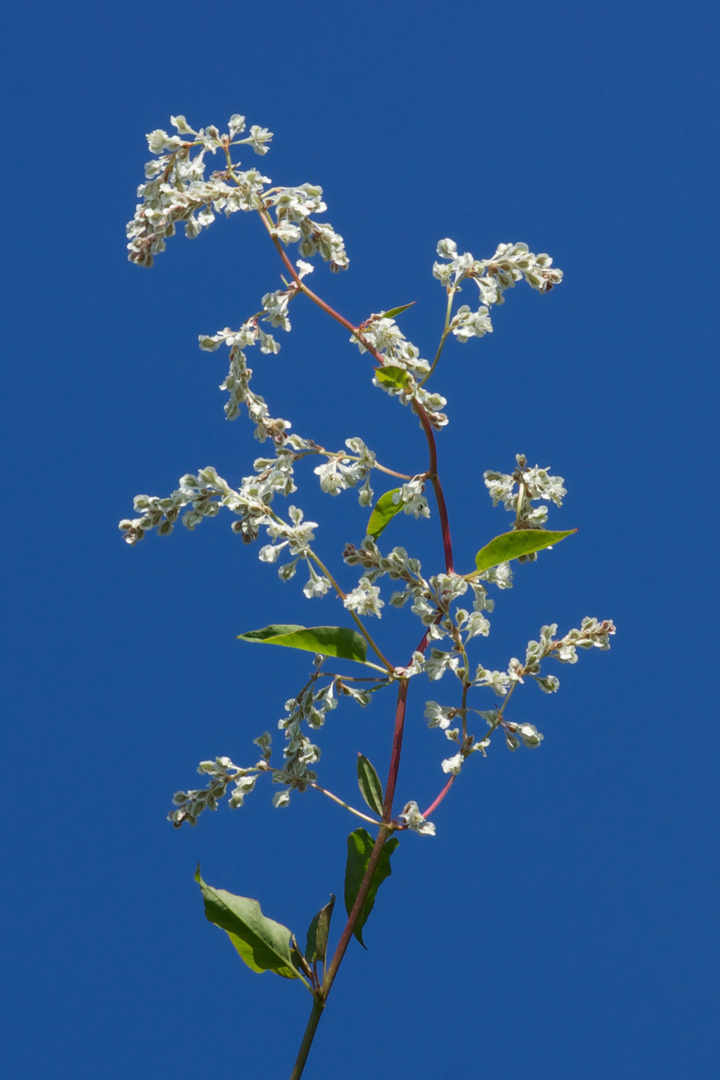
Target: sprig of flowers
column 452, row 609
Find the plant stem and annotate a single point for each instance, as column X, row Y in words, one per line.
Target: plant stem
column 358, row 813
column 384, row 832
column 386, row 828
column 446, row 331
column 433, row 805
column 437, row 487
column 359, row 336
column 308, row 1037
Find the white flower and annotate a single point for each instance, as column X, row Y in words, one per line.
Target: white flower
column 412, row 498
column 414, row 820
column 316, row 585
column 466, row 323
column 364, row 599
column 453, row 764
column 416, row 665
column 236, row 124
column 438, row 716
column 438, row 662
column 477, row 625
column 498, row 681
column 275, row 305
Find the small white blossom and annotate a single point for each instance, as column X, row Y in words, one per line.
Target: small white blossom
column 414, row 820
column 438, row 716
column 528, row 733
column 438, row 662
column 416, row 665
column 498, row 681
column 364, row 599
column 453, row 764
column 317, row 584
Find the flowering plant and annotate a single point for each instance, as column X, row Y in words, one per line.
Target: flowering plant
column 452, row 607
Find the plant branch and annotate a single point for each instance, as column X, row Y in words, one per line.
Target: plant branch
column 359, row 336
column 383, row 833
column 358, row 813
column 433, row 805
column 437, row 487
column 317, row 1011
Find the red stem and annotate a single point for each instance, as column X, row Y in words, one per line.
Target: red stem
column 437, row 487
column 441, row 796
column 386, row 828
column 383, row 833
column 424, row 419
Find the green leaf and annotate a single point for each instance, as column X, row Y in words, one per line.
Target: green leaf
column 370, row 786
column 262, row 943
column 390, row 375
column 317, row 935
column 513, row 544
column 327, row 640
column 397, row 310
column 383, row 513
column 360, row 845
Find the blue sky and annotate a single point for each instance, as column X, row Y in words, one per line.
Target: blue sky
column 563, row 923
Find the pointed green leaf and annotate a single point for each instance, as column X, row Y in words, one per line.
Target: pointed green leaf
column 392, row 376
column 383, row 513
column 327, row 640
column 513, row 544
column 317, row 935
column 360, row 845
column 370, row 786
column 262, row 943
column 397, row 310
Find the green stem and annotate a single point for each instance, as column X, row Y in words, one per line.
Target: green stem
column 357, row 813
column 317, row 1011
column 444, row 336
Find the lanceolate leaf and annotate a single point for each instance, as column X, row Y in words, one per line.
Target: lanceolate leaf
column 262, row 943
column 327, row 640
column 317, row 935
column 513, row 544
column 370, row 786
column 389, row 375
column 360, row 845
column 393, row 312
column 383, row 513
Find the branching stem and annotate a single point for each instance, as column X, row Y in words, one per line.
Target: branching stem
column 384, row 832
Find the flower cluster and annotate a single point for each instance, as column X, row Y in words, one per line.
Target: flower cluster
column 397, row 564
column 510, row 263
column 222, row 772
column 292, row 207
column 237, row 381
column 592, row 634
column 411, row 497
column 311, row 707
column 205, row 493
column 532, row 484
column 402, row 371
column 176, row 191
column 342, row 471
